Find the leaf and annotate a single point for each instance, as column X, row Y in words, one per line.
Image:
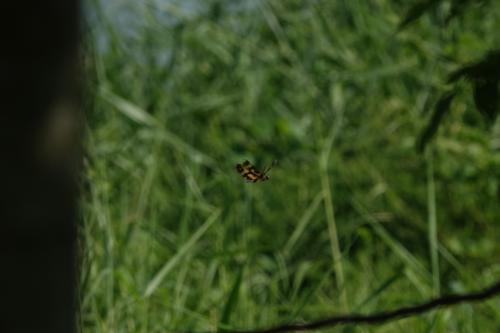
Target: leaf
column 457, row 7
column 442, row 106
column 486, row 98
column 416, row 11
column 485, row 78
column 488, row 68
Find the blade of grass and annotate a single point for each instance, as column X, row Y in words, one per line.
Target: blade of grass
column 139, row 212
column 413, row 263
column 127, row 108
column 432, row 223
column 303, row 222
column 140, row 116
column 337, row 105
column 196, row 155
column 387, row 283
column 170, row 264
column 299, row 305
column 232, row 301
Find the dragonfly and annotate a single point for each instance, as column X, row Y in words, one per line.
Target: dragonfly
column 251, row 174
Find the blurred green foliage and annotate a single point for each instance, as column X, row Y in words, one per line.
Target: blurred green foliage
column 353, row 218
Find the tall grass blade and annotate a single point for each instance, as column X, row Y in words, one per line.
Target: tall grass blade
column 303, row 222
column 337, row 102
column 170, row 264
column 232, row 301
column 432, row 223
column 373, row 295
column 127, row 108
column 410, row 260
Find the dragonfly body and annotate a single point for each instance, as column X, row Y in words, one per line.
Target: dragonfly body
column 251, row 174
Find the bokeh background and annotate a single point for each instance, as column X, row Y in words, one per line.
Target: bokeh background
column 353, row 217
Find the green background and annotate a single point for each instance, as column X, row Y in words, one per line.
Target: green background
column 352, row 217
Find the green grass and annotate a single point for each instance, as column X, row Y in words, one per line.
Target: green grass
column 352, row 219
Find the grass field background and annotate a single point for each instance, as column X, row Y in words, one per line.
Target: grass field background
column 352, row 219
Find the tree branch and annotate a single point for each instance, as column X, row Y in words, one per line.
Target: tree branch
column 380, row 317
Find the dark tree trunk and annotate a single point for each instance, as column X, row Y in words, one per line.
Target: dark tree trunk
column 39, row 164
